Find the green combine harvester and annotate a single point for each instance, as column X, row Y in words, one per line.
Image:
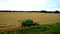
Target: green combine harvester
column 28, row 22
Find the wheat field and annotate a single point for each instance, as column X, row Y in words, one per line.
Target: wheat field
column 12, row 18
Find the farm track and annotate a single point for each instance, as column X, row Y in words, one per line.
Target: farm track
column 11, row 28
column 7, row 28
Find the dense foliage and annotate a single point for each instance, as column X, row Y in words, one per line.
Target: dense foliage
column 42, row 11
column 42, row 29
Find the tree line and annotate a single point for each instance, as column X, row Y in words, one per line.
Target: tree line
column 42, row 11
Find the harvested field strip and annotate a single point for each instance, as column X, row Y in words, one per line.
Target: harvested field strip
column 42, row 29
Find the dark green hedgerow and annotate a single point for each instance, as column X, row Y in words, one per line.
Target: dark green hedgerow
column 42, row 29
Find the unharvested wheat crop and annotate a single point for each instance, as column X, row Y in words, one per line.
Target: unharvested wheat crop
column 12, row 18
